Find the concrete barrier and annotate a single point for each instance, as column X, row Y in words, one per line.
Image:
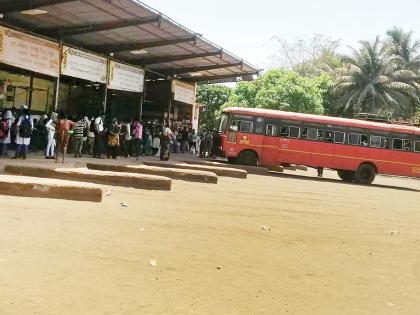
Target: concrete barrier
column 256, row 170
column 220, row 171
column 179, row 174
column 139, row 181
column 48, row 188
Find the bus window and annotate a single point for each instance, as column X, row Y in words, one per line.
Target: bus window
column 259, row 126
column 407, row 145
column 397, row 144
column 339, row 137
column 313, row 134
column 284, row 131
column 245, row 126
column 385, row 143
column 417, row 146
column 304, row 133
column 354, row 138
column 364, row 142
column 271, row 130
column 376, row 142
column 294, row 132
column 329, row 136
column 320, row 134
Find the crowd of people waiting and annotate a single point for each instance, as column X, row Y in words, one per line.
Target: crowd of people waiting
column 56, row 134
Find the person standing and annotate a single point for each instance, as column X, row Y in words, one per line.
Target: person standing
column 25, row 126
column 127, row 139
column 113, row 139
column 156, row 144
column 78, row 134
column 99, row 135
column 65, row 127
column 137, row 137
column 90, row 136
column 51, row 143
column 184, row 140
column 193, row 142
column 5, row 130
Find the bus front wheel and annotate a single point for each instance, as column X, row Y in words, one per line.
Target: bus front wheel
column 365, row 174
column 347, row 176
column 248, row 158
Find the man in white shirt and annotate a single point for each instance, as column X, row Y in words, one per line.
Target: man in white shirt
column 99, row 134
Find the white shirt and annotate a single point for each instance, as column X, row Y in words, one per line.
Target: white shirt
column 99, row 124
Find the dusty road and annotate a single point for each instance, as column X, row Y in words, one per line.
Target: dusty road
column 328, row 250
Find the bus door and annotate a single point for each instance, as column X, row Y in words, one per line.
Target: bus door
column 250, row 133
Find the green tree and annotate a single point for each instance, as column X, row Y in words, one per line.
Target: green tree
column 212, row 97
column 371, row 82
column 404, row 48
column 283, row 90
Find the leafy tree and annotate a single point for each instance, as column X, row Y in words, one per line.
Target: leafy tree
column 213, row 97
column 401, row 45
column 371, row 82
column 282, row 90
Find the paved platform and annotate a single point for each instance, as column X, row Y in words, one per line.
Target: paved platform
column 177, row 174
column 49, row 188
column 149, row 182
column 220, row 171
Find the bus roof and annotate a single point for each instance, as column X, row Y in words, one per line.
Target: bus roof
column 323, row 119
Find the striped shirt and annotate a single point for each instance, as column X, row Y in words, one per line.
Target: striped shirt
column 78, row 131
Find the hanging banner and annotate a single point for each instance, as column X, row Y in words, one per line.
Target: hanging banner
column 183, row 92
column 80, row 64
column 125, row 78
column 29, row 52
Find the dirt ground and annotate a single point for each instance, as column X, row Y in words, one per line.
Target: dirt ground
column 325, row 248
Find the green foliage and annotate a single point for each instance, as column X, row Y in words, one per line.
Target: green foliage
column 373, row 81
column 213, row 97
column 283, row 90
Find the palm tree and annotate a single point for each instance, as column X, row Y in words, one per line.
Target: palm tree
column 371, row 82
column 403, row 48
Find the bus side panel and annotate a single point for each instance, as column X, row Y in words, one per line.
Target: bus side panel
column 247, row 141
column 300, row 151
column 322, row 154
column 269, row 152
column 404, row 164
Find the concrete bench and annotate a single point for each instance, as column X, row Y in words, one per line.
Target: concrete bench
column 220, row 171
column 256, row 170
column 139, row 181
column 178, row 174
column 49, row 188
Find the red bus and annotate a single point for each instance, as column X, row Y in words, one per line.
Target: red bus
column 357, row 149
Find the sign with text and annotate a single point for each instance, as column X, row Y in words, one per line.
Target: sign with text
column 29, row 52
column 184, row 92
column 80, row 64
column 125, row 78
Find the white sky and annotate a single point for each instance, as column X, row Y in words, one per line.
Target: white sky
column 246, row 27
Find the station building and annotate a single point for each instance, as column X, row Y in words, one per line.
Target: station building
column 120, row 57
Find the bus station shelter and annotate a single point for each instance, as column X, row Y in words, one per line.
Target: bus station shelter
column 117, row 56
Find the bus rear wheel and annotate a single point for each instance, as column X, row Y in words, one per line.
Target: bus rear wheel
column 347, row 176
column 248, row 158
column 365, row 174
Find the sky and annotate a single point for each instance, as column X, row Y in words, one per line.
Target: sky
column 246, row 28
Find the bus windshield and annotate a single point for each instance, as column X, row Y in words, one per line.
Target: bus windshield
column 223, row 123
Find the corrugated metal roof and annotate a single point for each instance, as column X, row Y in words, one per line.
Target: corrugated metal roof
column 121, row 27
